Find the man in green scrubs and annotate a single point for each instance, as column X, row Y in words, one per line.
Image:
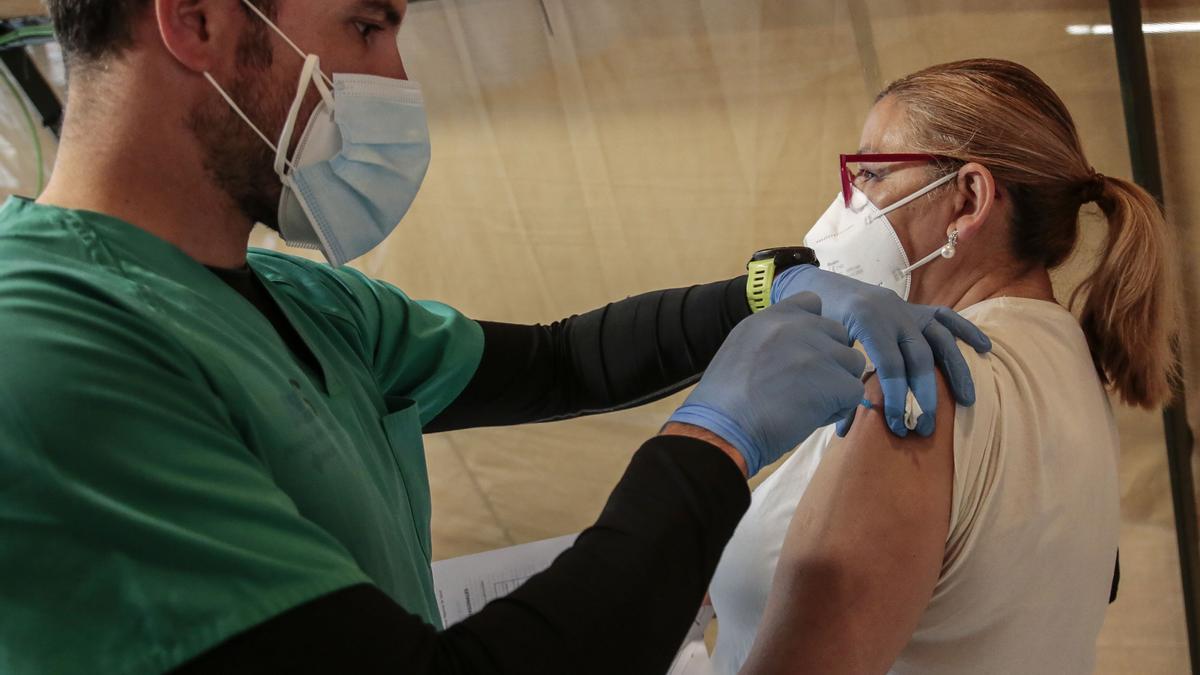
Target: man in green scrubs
column 210, row 454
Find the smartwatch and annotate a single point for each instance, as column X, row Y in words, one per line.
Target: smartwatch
column 763, row 267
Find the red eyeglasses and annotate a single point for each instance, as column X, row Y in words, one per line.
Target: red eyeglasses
column 849, row 175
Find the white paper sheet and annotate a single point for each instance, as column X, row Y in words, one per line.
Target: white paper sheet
column 464, row 585
column 692, row 658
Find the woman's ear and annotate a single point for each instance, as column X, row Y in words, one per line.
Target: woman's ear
column 976, row 197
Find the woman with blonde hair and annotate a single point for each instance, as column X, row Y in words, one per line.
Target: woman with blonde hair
column 988, row 546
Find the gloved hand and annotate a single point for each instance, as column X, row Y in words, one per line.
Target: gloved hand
column 903, row 341
column 779, row 376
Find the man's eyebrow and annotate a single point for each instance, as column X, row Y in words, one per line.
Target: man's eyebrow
column 384, row 8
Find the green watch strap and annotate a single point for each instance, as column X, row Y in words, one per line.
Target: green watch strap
column 758, row 283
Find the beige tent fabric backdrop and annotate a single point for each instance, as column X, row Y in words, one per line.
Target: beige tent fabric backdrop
column 19, row 8
column 585, row 150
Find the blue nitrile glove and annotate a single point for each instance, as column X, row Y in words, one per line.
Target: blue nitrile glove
column 902, row 339
column 779, row 376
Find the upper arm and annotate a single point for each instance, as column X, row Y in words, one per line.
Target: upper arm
column 421, row 350
column 864, row 550
column 134, row 522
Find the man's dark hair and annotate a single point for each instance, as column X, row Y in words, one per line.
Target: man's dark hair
column 90, row 31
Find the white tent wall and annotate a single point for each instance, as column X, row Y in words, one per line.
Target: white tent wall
column 586, row 150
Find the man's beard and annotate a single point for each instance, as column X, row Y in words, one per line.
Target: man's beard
column 238, row 162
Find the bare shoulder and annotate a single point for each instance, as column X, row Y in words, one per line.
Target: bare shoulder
column 864, row 549
column 870, row 436
column 885, row 483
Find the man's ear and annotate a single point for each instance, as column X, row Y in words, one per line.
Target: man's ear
column 202, row 35
column 976, row 197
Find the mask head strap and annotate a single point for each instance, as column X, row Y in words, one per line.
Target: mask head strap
column 923, row 191
column 283, row 36
column 946, row 251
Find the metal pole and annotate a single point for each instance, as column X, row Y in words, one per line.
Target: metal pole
column 1143, row 151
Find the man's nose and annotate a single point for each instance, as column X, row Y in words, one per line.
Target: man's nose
column 394, row 65
column 393, row 68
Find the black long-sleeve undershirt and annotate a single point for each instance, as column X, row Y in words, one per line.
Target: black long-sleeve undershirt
column 618, row 601
column 625, row 354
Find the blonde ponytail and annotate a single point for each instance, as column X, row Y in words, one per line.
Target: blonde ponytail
column 1000, row 114
column 1129, row 305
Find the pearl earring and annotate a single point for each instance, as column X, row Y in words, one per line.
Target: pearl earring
column 951, row 246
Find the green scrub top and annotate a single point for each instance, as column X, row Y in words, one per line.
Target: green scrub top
column 170, row 475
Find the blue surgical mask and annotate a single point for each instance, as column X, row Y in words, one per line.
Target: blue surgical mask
column 357, row 166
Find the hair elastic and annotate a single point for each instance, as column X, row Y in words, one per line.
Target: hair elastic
column 1093, row 188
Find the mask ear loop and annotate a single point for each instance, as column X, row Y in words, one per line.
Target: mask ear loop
column 923, row 191
column 237, row 109
column 311, row 64
column 286, row 39
column 946, row 251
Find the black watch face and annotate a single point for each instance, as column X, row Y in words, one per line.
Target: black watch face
column 787, row 256
column 800, row 255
